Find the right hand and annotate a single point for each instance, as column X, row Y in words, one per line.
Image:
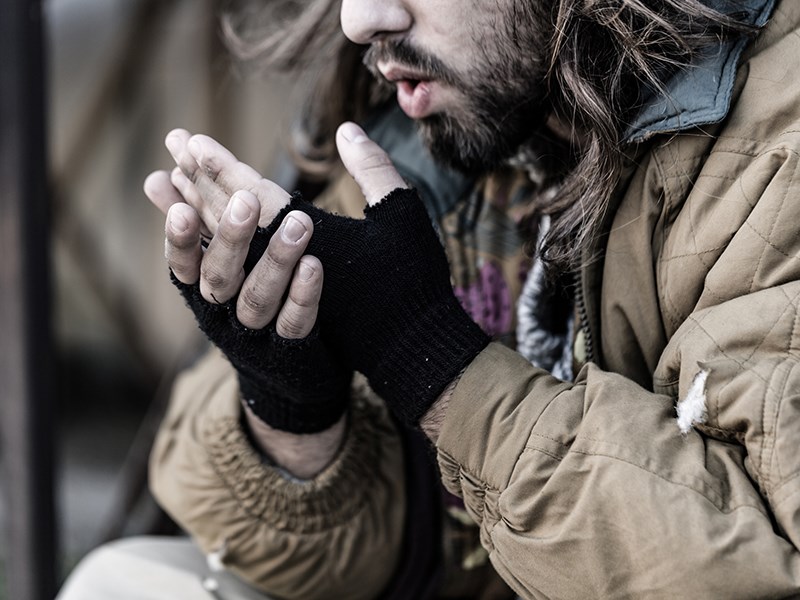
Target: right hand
column 205, row 197
column 287, row 376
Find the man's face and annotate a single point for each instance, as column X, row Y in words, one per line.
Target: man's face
column 469, row 71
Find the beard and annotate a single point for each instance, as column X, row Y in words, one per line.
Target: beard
column 503, row 101
column 488, row 133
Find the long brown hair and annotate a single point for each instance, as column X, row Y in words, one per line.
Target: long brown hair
column 606, row 58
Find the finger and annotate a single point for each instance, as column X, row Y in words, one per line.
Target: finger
column 159, row 189
column 369, row 165
column 209, row 193
column 192, row 197
column 221, row 272
column 263, row 290
column 230, row 174
column 182, row 244
column 299, row 313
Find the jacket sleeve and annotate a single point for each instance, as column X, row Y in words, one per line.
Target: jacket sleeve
column 594, row 488
column 336, row 536
column 590, row 490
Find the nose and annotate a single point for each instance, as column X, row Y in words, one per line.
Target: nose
column 367, row 21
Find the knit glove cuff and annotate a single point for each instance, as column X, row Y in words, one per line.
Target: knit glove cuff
column 388, row 306
column 292, row 385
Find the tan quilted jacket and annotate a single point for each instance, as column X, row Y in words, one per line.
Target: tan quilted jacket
column 589, row 489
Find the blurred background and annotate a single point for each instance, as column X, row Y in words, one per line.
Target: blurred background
column 114, row 76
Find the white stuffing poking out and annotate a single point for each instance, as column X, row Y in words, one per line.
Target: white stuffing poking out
column 692, row 409
column 216, row 560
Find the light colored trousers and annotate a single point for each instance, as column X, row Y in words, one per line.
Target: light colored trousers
column 152, row 568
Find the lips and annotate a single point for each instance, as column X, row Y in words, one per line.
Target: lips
column 414, row 97
column 415, row 91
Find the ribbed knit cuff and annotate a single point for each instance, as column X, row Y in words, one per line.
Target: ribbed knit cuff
column 425, row 358
column 309, row 396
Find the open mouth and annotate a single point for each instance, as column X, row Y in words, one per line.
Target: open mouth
column 408, row 86
column 414, row 90
column 415, row 97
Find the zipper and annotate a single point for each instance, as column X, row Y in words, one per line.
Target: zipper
column 583, row 317
column 590, row 253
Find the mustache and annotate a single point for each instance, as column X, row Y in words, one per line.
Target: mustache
column 403, row 53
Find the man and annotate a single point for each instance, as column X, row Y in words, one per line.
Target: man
column 679, row 210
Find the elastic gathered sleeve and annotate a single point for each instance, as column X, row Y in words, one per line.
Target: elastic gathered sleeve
column 591, row 490
column 336, row 536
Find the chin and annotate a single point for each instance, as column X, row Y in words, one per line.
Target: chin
column 470, row 150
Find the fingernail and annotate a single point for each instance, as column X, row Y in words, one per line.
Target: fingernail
column 293, row 230
column 173, row 144
column 240, row 210
column 305, row 272
column 353, row 133
column 178, row 222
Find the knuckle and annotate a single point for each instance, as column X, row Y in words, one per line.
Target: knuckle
column 251, row 188
column 231, row 238
column 213, row 277
column 305, row 295
column 187, row 277
column 176, row 264
column 294, row 324
column 278, row 256
column 290, row 327
column 211, row 169
column 228, row 177
column 181, row 269
column 185, row 269
column 192, row 171
column 179, row 241
column 253, row 303
column 375, row 162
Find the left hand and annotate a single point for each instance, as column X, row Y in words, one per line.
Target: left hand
column 387, row 302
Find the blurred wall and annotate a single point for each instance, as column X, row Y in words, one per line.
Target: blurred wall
column 122, row 74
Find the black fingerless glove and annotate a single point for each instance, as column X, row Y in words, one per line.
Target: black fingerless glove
column 292, row 385
column 387, row 305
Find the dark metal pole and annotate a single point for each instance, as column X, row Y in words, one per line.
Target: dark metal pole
column 27, row 419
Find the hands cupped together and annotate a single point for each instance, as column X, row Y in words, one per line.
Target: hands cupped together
column 386, row 307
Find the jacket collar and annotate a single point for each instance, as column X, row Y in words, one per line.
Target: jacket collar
column 701, row 94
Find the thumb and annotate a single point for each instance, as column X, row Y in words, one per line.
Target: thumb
column 369, row 165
